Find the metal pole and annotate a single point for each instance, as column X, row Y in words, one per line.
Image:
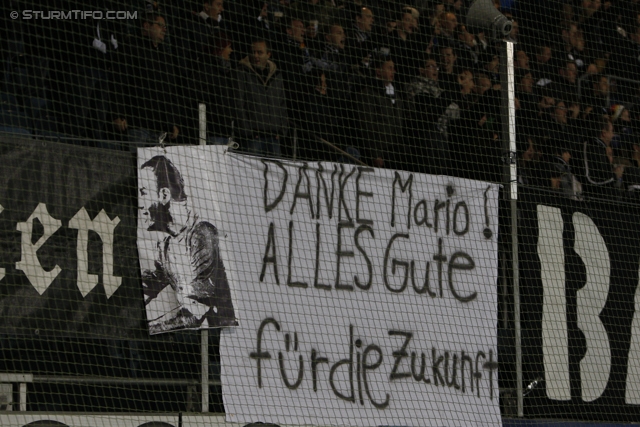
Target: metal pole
column 202, row 123
column 344, row 153
column 511, row 175
column 204, row 363
column 295, row 143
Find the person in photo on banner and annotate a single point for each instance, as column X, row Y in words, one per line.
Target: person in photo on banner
column 187, row 259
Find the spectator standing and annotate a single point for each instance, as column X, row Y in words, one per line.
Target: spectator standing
column 402, row 45
column 601, row 175
column 360, row 38
column 218, row 80
column 151, row 102
column 467, row 48
column 449, row 68
column 86, row 57
column 428, row 120
column 380, row 113
column 261, row 102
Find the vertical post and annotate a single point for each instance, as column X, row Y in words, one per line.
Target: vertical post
column 204, row 363
column 295, row 143
column 507, row 74
column 23, row 397
column 202, row 123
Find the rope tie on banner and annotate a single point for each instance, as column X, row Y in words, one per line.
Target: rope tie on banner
column 233, row 144
column 161, row 139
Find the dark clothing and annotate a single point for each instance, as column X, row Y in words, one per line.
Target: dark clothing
column 218, row 91
column 198, row 37
column 381, row 125
column 563, row 90
column 148, row 95
column 293, row 59
column 547, row 72
column 569, row 186
column 261, row 102
column 359, row 45
column 407, row 54
column 206, row 283
column 84, row 59
column 475, row 154
column 625, row 58
column 467, row 57
column 324, row 118
column 428, row 122
column 599, row 178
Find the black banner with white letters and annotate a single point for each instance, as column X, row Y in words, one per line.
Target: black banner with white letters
column 68, row 258
column 579, row 266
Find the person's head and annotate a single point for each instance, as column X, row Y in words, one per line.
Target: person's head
column 482, row 83
column 222, row 46
column 296, row 30
column 577, row 41
column 264, row 12
column 589, row 7
column 601, row 86
column 386, row 71
column 465, row 36
column 454, row 5
column 635, row 34
column 522, row 60
column 531, row 153
column 213, row 8
column 567, row 11
column 430, row 69
column 543, row 54
column 525, row 84
column 408, row 22
column 435, row 13
column 569, row 72
column 336, row 36
column 448, row 57
column 605, row 132
column 493, row 65
column 161, row 185
column 312, row 29
column 448, row 23
column 364, row 19
column 154, row 26
column 260, row 54
column 625, row 116
column 560, row 112
column 569, row 32
column 465, row 80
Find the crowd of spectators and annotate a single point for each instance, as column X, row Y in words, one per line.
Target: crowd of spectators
column 395, row 84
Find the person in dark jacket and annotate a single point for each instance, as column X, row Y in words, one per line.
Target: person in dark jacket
column 427, row 108
column 601, row 174
column 218, row 83
column 261, row 103
column 380, row 108
column 85, row 54
column 149, row 100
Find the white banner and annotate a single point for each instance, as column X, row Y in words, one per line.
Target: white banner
column 364, row 296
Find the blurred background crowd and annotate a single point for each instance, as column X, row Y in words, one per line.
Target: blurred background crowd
column 395, row 84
